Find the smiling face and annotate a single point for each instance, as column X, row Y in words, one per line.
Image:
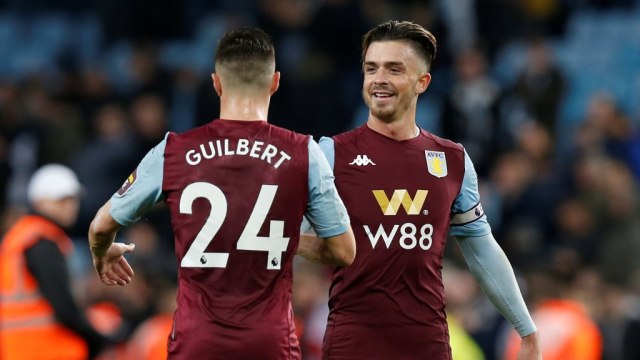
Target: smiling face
column 394, row 76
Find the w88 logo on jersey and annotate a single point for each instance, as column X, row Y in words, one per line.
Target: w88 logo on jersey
column 408, row 235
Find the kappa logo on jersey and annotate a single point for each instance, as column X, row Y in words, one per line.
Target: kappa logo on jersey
column 436, row 163
column 362, row 160
column 400, row 197
column 127, row 183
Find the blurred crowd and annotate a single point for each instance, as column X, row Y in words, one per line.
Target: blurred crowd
column 561, row 192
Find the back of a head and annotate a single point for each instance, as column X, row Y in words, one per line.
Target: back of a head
column 418, row 37
column 245, row 59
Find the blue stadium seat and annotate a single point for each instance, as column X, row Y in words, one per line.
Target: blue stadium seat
column 9, row 37
column 87, row 36
column 509, row 62
column 115, row 62
column 613, row 66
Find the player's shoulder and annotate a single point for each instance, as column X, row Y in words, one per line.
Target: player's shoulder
column 187, row 134
column 442, row 143
column 348, row 136
column 288, row 134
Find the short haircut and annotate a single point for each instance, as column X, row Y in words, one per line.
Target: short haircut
column 418, row 37
column 247, row 56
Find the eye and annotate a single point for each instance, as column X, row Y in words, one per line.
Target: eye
column 369, row 70
column 395, row 70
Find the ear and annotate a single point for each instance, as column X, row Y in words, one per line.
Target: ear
column 423, row 83
column 275, row 83
column 217, row 85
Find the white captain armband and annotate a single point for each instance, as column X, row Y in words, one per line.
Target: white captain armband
column 468, row 216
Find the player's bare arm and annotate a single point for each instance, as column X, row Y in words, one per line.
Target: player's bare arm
column 339, row 250
column 107, row 255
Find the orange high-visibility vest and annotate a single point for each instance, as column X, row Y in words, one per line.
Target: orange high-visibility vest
column 28, row 328
column 150, row 340
column 566, row 332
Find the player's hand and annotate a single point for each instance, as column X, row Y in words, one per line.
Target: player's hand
column 113, row 268
column 530, row 349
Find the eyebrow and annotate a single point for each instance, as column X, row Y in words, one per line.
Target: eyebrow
column 386, row 63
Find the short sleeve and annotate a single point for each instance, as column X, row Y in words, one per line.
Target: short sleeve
column 468, row 217
column 325, row 211
column 142, row 189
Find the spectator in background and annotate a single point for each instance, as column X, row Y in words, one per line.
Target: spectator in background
column 19, row 157
column 104, row 158
column 184, row 101
column 535, row 141
column 526, row 184
column 58, row 124
column 618, row 258
column 39, row 316
column 541, row 85
column 512, row 183
column 608, row 193
column 146, row 73
column 95, row 91
column 577, row 232
column 24, row 106
column 464, row 313
column 149, row 341
column 471, row 110
column 566, row 329
column 148, row 113
column 303, row 39
column 616, row 136
column 588, row 183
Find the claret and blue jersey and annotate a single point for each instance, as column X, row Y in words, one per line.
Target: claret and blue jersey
column 403, row 198
column 237, row 192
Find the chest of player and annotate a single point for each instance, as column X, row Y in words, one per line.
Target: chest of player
column 398, row 193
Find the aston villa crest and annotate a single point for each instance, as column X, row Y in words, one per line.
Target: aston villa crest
column 436, row 163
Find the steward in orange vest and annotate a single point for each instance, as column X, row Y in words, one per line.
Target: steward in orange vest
column 567, row 331
column 39, row 318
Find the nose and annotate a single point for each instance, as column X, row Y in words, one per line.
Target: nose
column 380, row 77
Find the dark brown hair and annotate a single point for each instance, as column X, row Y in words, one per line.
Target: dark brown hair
column 418, row 37
column 247, row 54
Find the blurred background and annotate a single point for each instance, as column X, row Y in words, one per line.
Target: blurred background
column 543, row 94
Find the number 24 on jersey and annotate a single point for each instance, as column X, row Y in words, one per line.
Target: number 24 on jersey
column 274, row 244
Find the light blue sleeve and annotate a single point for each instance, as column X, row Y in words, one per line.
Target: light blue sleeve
column 490, row 266
column 142, row 189
column 328, row 149
column 468, row 217
column 326, row 212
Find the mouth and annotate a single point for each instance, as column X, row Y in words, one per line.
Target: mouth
column 382, row 95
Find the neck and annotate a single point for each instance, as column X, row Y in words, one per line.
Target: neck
column 237, row 107
column 403, row 128
column 54, row 219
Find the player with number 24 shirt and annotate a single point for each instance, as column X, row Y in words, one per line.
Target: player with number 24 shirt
column 237, row 189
